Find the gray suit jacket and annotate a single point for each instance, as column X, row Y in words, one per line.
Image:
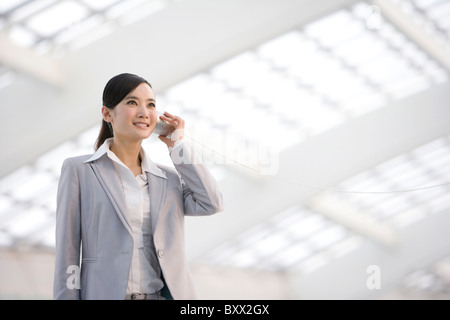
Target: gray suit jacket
column 93, row 235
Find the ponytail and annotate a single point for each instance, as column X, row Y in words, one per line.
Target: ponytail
column 105, row 133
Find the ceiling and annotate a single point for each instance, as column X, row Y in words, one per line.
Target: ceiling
column 325, row 123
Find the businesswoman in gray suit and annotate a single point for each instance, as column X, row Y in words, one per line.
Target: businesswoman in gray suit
column 120, row 217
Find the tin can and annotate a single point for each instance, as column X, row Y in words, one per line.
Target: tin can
column 162, row 128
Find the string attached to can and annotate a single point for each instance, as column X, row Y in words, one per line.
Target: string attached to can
column 446, row 184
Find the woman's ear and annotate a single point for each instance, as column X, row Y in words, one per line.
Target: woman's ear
column 106, row 113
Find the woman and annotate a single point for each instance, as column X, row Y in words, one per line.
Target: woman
column 120, row 217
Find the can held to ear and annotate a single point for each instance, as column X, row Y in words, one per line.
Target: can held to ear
column 162, row 128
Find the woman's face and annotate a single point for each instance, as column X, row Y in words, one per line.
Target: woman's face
column 134, row 118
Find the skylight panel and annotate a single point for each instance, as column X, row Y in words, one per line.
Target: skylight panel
column 59, row 26
column 147, row 8
column 268, row 88
column 344, row 34
column 244, row 259
column 387, row 69
column 338, row 83
column 292, row 255
column 410, row 171
column 22, row 36
column 334, row 21
column 408, row 216
column 438, row 74
column 293, row 102
column 440, row 203
column 6, row 5
column 55, row 157
column 439, row 11
column 271, row 244
column 424, row 4
column 93, row 35
column 345, row 246
column 6, row 204
column 398, row 165
column 28, row 10
column 123, row 7
column 361, row 50
column 226, row 108
column 394, row 205
column 47, row 200
column 186, row 90
column 78, row 29
column 426, row 195
column 431, row 16
column 100, row 5
column 252, row 236
column 202, row 99
column 285, row 241
column 28, row 221
column 416, row 56
column 15, row 179
column 56, row 18
column 327, row 236
column 283, row 50
column 33, row 186
column 436, row 156
column 244, row 70
column 313, row 263
column 314, row 70
column 396, row 39
column 288, row 217
column 415, row 84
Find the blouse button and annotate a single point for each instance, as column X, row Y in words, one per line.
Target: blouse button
column 160, row 253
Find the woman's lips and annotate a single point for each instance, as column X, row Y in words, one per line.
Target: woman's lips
column 141, row 125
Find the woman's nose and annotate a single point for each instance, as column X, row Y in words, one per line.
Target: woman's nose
column 143, row 111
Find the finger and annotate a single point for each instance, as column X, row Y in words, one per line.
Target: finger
column 167, row 118
column 173, row 120
column 167, row 141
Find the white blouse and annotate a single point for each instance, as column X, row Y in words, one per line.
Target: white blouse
column 145, row 272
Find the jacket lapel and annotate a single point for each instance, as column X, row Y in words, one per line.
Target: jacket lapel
column 157, row 190
column 110, row 181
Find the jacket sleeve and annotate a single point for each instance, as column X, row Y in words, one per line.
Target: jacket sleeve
column 200, row 190
column 66, row 283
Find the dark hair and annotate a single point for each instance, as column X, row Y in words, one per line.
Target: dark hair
column 115, row 91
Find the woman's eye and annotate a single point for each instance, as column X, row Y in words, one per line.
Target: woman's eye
column 131, row 102
column 151, row 105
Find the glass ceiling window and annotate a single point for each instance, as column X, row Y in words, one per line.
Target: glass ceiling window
column 304, row 82
column 296, row 239
column 422, row 167
column 57, row 26
column 432, row 16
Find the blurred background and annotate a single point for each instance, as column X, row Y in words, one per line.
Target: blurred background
column 325, row 123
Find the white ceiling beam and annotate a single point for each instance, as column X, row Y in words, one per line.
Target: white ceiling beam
column 360, row 222
column 414, row 31
column 27, row 61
